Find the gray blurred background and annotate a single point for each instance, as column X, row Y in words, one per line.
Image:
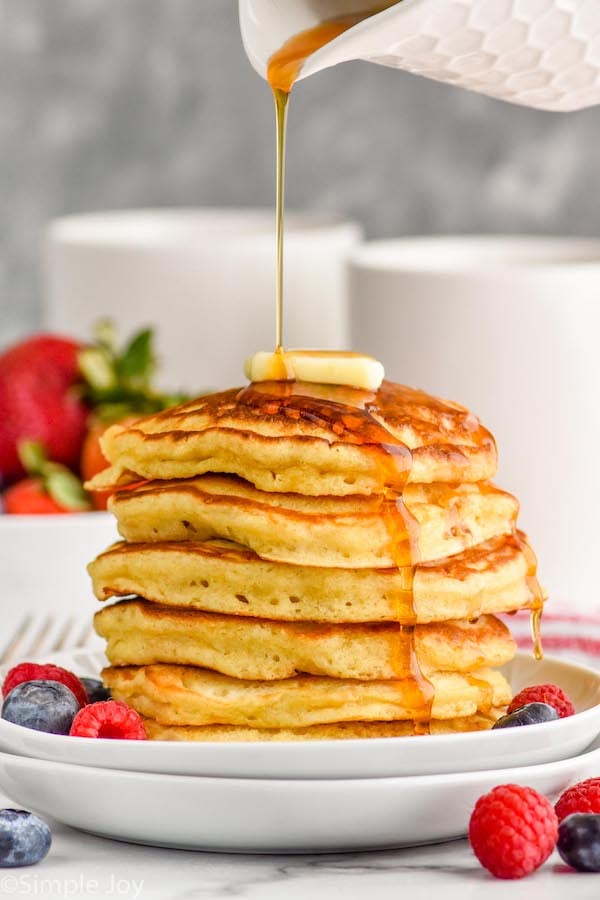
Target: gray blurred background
column 121, row 103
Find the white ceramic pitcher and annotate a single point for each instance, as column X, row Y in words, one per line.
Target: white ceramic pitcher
column 538, row 53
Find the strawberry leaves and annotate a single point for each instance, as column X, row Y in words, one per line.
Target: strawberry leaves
column 118, row 383
column 137, row 363
column 57, row 481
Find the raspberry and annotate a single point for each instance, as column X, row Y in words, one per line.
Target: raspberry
column 513, row 830
column 108, row 719
column 35, row 672
column 581, row 798
column 551, row 694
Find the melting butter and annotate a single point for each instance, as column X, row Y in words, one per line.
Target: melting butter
column 316, row 366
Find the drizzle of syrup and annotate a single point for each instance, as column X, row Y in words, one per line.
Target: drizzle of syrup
column 536, row 595
column 486, row 700
column 280, row 367
column 352, row 416
column 349, row 413
column 422, row 688
column 402, row 528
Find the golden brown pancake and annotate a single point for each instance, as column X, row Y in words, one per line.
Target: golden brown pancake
column 185, row 695
column 433, row 521
column 336, row 731
column 309, row 439
column 218, row 576
column 141, row 633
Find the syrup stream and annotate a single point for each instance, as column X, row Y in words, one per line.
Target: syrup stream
column 282, row 71
column 281, row 104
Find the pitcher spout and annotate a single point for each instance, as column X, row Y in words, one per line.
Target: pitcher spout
column 541, row 55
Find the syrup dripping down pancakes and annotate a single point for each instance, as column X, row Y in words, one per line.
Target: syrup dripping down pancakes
column 307, row 562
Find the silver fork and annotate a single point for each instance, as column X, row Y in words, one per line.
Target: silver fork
column 37, row 635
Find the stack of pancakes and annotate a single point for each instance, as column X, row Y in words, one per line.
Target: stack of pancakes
column 304, row 561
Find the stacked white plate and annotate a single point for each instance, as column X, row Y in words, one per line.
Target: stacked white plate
column 298, row 797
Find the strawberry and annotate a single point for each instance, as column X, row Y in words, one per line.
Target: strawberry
column 50, row 385
column 39, row 401
column 93, row 461
column 28, row 497
column 51, row 489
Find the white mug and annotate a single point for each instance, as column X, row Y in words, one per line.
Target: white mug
column 44, row 561
column 205, row 279
column 509, row 327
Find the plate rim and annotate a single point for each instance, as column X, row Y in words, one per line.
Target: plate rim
column 591, row 753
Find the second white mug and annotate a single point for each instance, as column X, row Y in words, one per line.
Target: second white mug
column 509, row 327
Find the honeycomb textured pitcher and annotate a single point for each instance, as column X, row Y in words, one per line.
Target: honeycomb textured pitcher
column 538, row 53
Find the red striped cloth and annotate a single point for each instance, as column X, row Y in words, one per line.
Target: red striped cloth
column 575, row 636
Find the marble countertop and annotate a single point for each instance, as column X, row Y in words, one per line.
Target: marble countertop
column 83, row 866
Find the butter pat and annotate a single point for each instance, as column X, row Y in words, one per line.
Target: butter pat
column 316, row 366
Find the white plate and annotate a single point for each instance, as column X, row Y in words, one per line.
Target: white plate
column 376, row 758
column 269, row 816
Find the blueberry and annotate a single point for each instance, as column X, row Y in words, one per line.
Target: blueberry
column 579, row 841
column 24, row 838
column 95, row 690
column 530, row 714
column 43, row 705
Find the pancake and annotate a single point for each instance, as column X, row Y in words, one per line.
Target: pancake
column 333, row 732
column 141, row 633
column 431, row 521
column 218, row 576
column 185, row 695
column 308, row 439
